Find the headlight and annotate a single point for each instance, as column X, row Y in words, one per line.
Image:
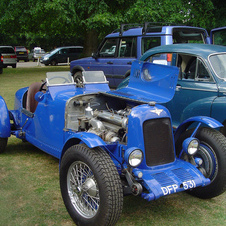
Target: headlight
column 45, row 58
column 134, row 157
column 191, row 145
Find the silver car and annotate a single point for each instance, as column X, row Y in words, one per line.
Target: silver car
column 9, row 56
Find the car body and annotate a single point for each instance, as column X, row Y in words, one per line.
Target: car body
column 62, row 55
column 112, row 143
column 9, row 56
column 22, row 53
column 119, row 49
column 201, row 86
column 218, row 36
column 36, row 53
column 1, row 64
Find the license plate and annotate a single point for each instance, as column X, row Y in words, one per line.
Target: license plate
column 21, row 52
column 6, row 57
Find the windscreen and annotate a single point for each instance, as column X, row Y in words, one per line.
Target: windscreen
column 218, row 63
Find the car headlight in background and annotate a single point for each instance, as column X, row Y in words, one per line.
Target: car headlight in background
column 134, row 156
column 191, row 145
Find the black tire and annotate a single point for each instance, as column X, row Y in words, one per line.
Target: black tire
column 14, row 66
column 213, row 153
column 77, row 76
column 1, row 70
column 53, row 63
column 3, row 144
column 94, row 168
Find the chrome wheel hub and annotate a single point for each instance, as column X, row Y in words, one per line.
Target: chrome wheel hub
column 83, row 189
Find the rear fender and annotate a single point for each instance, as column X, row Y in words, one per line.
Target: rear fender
column 212, row 123
column 5, row 129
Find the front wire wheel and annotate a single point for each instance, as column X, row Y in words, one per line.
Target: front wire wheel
column 83, row 189
column 90, row 186
column 212, row 151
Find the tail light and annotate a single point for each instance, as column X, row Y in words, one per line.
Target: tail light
column 169, row 57
column 1, row 58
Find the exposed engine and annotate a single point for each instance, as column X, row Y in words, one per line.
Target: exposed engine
column 109, row 125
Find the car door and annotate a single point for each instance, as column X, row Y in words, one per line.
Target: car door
column 126, row 54
column 104, row 59
column 195, row 91
column 62, row 56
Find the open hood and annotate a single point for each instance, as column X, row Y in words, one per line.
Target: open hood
column 149, row 82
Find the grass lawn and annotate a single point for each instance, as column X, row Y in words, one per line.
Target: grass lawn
column 29, row 182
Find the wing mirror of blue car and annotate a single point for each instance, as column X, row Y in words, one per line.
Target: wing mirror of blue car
column 191, row 145
column 39, row 96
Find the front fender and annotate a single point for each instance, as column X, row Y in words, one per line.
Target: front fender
column 90, row 139
column 213, row 123
column 5, row 129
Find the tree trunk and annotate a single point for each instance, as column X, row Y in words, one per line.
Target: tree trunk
column 91, row 42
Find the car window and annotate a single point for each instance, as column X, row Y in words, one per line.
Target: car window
column 75, row 50
column 6, row 50
column 20, row 49
column 219, row 37
column 188, row 35
column 218, row 63
column 63, row 51
column 109, row 48
column 191, row 67
column 149, row 42
column 195, row 69
column 127, row 47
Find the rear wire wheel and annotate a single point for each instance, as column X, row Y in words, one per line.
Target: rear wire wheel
column 212, row 151
column 91, row 187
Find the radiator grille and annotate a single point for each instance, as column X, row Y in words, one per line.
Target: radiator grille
column 158, row 141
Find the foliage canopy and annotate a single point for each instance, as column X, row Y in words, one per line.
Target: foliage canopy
column 50, row 23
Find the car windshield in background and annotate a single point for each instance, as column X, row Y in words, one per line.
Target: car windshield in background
column 21, row 49
column 218, row 63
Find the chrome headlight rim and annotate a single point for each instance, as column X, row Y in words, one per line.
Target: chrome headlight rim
column 191, row 146
column 134, row 157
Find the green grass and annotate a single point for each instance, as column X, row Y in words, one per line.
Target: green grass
column 29, row 182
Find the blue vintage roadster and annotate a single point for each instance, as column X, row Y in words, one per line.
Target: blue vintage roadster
column 112, row 143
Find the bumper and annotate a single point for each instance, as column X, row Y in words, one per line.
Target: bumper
column 176, row 177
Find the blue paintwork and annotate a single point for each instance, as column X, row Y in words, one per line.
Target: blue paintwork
column 4, row 119
column 46, row 128
column 160, row 88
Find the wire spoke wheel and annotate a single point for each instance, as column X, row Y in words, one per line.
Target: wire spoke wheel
column 90, row 186
column 83, row 189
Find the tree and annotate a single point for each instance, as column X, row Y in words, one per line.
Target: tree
column 50, row 23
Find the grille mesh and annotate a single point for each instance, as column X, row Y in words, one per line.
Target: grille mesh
column 158, row 141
